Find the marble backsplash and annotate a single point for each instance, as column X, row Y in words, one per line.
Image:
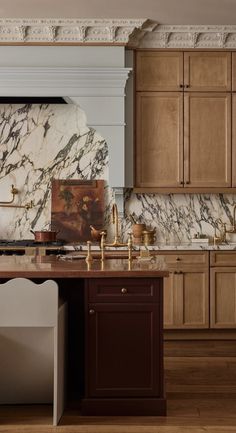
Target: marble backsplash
column 41, row 142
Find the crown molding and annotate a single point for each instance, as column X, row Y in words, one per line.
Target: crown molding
column 189, row 36
column 70, row 31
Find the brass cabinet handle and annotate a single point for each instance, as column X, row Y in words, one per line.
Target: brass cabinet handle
column 91, row 312
column 188, row 182
column 187, row 86
column 178, row 272
column 181, row 182
column 124, row 290
column 178, row 259
column 181, row 86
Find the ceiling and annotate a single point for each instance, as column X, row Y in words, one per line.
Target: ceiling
column 162, row 11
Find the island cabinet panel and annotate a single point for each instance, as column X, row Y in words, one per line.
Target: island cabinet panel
column 122, row 352
column 207, row 71
column 159, row 152
column 124, row 347
column 223, row 297
column 186, row 299
column 157, row 71
column 207, row 140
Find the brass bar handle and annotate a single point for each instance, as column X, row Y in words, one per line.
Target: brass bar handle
column 91, row 312
column 124, row 290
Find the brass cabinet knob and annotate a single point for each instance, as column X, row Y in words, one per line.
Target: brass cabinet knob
column 124, row 290
column 181, row 86
column 178, row 259
column 188, row 182
column 91, row 312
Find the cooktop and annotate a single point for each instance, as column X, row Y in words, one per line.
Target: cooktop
column 29, row 243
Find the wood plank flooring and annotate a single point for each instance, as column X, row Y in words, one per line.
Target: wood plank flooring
column 201, row 392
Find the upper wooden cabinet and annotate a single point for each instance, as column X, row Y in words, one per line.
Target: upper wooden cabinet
column 189, row 71
column 159, row 144
column 158, row 71
column 183, row 136
column 234, row 72
column 207, row 140
column 207, row 71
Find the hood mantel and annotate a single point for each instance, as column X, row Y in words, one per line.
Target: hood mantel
column 92, row 77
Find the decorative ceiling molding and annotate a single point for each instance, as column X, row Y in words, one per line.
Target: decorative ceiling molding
column 56, row 31
column 189, row 36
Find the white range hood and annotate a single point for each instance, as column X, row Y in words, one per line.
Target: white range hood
column 95, row 78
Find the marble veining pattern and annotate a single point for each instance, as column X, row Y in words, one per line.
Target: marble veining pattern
column 41, row 142
column 38, row 143
column 177, row 217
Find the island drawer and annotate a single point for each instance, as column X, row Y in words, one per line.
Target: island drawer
column 124, row 290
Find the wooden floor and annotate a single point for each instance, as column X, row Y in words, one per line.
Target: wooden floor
column 201, row 394
column 198, row 415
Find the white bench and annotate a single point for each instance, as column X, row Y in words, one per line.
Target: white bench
column 32, row 344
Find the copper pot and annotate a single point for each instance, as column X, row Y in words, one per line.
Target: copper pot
column 45, row 235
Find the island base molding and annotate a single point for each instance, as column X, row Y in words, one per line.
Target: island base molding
column 124, row 406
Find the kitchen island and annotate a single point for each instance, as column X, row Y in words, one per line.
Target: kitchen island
column 115, row 349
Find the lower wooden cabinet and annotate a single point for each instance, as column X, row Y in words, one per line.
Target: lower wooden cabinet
column 223, row 297
column 124, row 347
column 186, row 299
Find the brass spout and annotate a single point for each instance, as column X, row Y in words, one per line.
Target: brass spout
column 116, row 242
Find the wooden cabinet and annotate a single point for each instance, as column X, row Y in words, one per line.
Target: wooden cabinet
column 234, row 138
column 159, row 158
column 207, row 140
column 186, row 299
column 223, row 297
column 158, row 71
column 186, row 291
column 207, row 71
column 124, row 353
column 199, row 159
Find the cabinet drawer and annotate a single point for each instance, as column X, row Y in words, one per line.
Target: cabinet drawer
column 223, row 258
column 186, row 258
column 124, row 290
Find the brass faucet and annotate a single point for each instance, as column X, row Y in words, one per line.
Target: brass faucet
column 115, row 220
column 116, row 242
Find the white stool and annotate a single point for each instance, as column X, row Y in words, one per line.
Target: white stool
column 32, row 344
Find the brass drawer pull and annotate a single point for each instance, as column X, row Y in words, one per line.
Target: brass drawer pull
column 178, row 259
column 91, row 312
column 124, row 290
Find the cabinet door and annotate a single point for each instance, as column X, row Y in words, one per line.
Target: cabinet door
column 234, row 72
column 207, row 140
column 234, row 137
column 186, row 300
column 159, row 71
column 223, row 297
column 124, row 350
column 207, row 71
column 159, row 144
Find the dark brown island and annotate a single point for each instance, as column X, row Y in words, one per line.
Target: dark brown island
column 115, row 337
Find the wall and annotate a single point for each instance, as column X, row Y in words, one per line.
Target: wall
column 41, row 142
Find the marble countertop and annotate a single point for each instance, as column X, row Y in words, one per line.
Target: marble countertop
column 161, row 247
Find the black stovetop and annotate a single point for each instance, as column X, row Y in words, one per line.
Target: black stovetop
column 29, row 243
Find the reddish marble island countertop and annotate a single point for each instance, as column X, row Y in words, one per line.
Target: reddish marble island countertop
column 52, row 267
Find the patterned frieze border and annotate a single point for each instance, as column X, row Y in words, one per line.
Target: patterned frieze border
column 97, row 31
column 188, row 36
